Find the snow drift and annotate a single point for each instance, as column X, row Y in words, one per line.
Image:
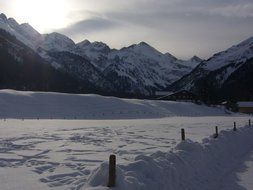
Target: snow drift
column 17, row 104
column 190, row 165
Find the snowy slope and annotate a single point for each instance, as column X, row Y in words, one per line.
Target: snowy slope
column 21, row 32
column 17, row 104
column 237, row 54
column 23, row 69
column 57, row 42
column 142, row 68
column 190, row 165
column 64, row 154
column 155, row 68
column 97, row 52
column 82, row 69
column 66, row 150
column 138, row 68
column 47, row 46
column 193, row 62
column 220, row 69
column 241, row 176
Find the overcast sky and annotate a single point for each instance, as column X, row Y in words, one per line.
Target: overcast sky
column 182, row 27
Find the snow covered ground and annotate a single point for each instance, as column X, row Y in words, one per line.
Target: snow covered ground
column 63, row 153
column 33, row 105
column 67, row 154
column 241, row 176
column 189, row 166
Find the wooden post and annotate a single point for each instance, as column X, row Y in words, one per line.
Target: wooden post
column 249, row 122
column 216, row 132
column 112, row 171
column 234, row 126
column 182, row 134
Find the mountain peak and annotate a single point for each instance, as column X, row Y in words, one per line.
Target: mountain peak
column 57, row 36
column 83, row 43
column 196, row 59
column 3, row 16
column 100, row 47
column 26, row 25
column 99, row 44
column 12, row 21
column 143, row 44
column 140, row 46
column 29, row 29
column 170, row 56
column 57, row 42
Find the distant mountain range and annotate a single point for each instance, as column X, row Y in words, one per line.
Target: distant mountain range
column 226, row 75
column 53, row 62
column 135, row 70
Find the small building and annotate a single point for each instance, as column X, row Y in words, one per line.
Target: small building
column 182, row 95
column 245, row 107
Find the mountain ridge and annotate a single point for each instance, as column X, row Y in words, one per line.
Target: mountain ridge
column 140, row 65
column 139, row 69
column 215, row 74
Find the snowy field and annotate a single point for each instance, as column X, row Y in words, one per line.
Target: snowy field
column 66, row 154
column 62, row 154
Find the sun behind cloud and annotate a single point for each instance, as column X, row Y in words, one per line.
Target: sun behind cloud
column 44, row 15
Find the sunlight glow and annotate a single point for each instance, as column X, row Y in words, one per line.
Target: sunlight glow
column 44, row 15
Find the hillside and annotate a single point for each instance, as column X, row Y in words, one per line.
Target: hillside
column 226, row 75
column 22, row 69
column 17, row 104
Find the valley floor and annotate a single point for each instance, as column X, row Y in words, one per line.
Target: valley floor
column 63, row 141
column 62, row 154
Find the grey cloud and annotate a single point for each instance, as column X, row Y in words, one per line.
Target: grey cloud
column 155, row 12
column 95, row 24
column 185, row 27
column 239, row 8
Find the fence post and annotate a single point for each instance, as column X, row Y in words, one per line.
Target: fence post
column 112, row 171
column 216, row 132
column 249, row 122
column 234, row 126
column 182, row 134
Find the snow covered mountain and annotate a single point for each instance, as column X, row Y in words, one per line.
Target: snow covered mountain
column 97, row 52
column 137, row 69
column 23, row 69
column 218, row 73
column 141, row 67
column 21, row 32
column 56, row 42
column 193, row 62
